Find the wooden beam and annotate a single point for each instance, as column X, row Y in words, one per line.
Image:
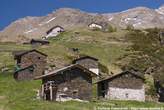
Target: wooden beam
column 51, row 94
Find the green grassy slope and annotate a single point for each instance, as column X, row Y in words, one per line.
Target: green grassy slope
column 107, row 47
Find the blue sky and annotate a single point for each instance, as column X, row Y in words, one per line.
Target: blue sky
column 11, row 10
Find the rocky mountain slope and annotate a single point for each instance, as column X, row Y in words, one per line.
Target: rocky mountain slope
column 36, row 27
column 139, row 17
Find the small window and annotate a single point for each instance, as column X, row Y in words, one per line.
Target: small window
column 75, row 91
column 38, row 57
column 126, row 95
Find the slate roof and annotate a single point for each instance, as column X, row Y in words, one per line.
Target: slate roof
column 39, row 41
column 22, row 52
column 49, row 31
column 58, row 71
column 124, row 72
column 84, row 57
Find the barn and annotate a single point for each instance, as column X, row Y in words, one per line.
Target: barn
column 95, row 25
column 54, row 31
column 37, row 42
column 27, row 59
column 99, row 25
column 88, row 62
column 73, row 82
column 124, row 86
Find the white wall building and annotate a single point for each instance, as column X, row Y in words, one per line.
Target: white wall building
column 95, row 25
column 53, row 32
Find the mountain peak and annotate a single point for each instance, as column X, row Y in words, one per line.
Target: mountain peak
column 138, row 9
column 160, row 10
column 36, row 27
column 66, row 10
column 141, row 8
column 162, row 6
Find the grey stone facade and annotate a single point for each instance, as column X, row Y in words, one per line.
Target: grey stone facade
column 123, row 86
column 71, row 82
column 88, row 62
column 25, row 59
column 126, row 94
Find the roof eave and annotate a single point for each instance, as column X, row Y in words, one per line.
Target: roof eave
column 55, row 72
column 111, row 77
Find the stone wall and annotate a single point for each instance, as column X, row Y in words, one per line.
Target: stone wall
column 24, row 75
column 122, row 87
column 34, row 58
column 126, row 80
column 125, row 94
column 90, row 64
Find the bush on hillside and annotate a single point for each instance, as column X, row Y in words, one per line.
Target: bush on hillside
column 111, row 28
column 147, row 51
column 103, row 68
column 96, row 29
column 130, row 27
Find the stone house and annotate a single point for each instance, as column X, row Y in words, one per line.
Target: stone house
column 95, row 25
column 124, row 86
column 54, row 31
column 88, row 62
column 26, row 60
column 37, row 42
column 101, row 25
column 73, row 82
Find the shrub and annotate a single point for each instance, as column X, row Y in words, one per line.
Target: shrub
column 130, row 27
column 96, row 29
column 146, row 51
column 103, row 68
column 151, row 90
column 111, row 29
